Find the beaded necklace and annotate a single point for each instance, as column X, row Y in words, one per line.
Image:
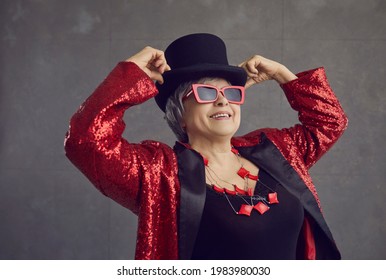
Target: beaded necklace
column 247, row 207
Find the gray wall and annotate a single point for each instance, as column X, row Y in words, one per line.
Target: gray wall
column 54, row 53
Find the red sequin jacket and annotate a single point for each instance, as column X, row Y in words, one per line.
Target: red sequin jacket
column 165, row 187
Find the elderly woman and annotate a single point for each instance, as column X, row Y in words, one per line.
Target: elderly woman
column 212, row 196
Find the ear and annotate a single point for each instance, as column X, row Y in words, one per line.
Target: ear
column 182, row 121
column 183, row 125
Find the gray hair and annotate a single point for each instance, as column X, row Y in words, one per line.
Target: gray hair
column 175, row 109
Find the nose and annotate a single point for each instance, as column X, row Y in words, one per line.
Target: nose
column 221, row 100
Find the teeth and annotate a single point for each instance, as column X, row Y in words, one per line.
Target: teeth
column 221, row 115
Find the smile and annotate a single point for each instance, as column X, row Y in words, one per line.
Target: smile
column 220, row 116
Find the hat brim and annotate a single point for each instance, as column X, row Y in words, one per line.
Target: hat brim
column 173, row 78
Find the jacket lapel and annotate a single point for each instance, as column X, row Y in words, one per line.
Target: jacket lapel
column 267, row 156
column 191, row 173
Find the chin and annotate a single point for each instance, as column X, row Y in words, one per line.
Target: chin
column 225, row 133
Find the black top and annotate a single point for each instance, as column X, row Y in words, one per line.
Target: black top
column 273, row 235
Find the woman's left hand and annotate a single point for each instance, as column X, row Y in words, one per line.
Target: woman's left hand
column 260, row 69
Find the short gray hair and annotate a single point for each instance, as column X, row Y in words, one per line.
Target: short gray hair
column 175, row 109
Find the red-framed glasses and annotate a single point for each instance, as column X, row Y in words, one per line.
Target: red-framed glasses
column 208, row 93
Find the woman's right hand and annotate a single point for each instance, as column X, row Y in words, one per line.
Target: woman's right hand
column 152, row 62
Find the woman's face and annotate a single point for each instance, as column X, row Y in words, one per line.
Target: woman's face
column 211, row 120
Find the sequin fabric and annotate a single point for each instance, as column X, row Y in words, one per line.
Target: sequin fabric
column 143, row 177
column 322, row 119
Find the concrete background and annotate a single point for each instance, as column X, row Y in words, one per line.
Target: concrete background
column 54, row 54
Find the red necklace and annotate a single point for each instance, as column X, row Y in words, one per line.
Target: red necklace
column 247, row 207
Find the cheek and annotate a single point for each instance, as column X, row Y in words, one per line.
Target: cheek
column 189, row 112
column 193, row 118
column 237, row 113
column 194, row 114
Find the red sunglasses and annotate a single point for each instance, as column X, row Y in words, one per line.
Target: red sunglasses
column 208, row 93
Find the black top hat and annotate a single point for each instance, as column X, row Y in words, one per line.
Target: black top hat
column 196, row 56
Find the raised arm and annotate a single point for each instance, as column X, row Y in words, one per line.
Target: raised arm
column 322, row 119
column 94, row 141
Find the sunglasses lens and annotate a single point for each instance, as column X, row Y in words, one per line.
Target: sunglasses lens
column 233, row 94
column 206, row 93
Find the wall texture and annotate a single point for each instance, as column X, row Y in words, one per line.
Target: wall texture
column 54, row 53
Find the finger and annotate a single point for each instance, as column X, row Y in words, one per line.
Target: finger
column 159, row 56
column 160, row 62
column 154, row 75
column 242, row 64
column 164, row 67
column 250, row 82
column 159, row 66
column 255, row 80
column 251, row 66
column 157, row 62
column 167, row 67
column 145, row 57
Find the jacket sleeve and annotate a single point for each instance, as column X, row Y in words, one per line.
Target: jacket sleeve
column 322, row 119
column 94, row 141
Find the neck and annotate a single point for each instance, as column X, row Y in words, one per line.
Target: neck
column 217, row 152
